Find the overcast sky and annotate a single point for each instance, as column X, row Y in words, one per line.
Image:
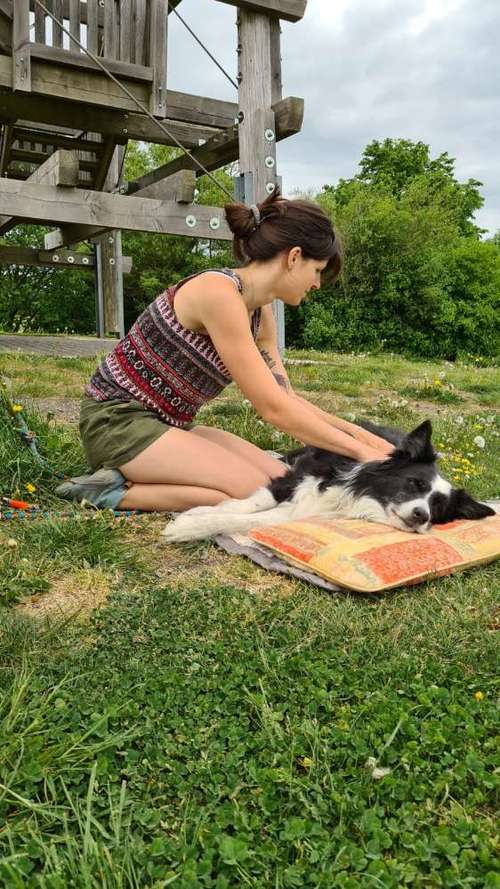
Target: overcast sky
column 368, row 69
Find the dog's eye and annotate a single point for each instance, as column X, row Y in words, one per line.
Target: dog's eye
column 416, row 484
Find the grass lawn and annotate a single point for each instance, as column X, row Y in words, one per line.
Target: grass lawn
column 178, row 716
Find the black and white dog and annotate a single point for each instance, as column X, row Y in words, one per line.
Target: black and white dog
column 405, row 491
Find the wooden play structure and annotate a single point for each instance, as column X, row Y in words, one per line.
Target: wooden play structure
column 66, row 117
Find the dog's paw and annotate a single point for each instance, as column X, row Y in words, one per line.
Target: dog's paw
column 185, row 527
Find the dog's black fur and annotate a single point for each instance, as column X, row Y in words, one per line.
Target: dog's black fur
column 409, row 470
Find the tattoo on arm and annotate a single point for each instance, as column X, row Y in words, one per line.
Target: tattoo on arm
column 280, row 379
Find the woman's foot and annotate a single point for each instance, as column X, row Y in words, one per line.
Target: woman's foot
column 104, row 489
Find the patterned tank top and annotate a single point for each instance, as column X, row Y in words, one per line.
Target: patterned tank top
column 168, row 368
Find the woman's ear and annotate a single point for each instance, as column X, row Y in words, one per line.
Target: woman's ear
column 293, row 256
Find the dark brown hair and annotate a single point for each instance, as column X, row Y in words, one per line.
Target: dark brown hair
column 284, row 224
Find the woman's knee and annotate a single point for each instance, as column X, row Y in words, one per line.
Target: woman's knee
column 245, row 485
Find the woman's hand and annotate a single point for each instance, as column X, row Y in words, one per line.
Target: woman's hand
column 367, row 454
column 379, row 448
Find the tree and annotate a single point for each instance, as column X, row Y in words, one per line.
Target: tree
column 417, row 279
column 398, row 165
column 47, row 299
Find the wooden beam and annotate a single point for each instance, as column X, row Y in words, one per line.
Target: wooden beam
column 179, row 187
column 290, row 10
column 60, row 169
column 94, row 209
column 6, row 9
column 223, row 148
column 26, row 156
column 58, row 140
column 48, row 112
column 104, row 163
column 49, row 259
column 73, row 58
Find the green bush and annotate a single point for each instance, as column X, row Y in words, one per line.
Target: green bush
column 417, row 278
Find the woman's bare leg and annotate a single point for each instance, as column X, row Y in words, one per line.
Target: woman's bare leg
column 170, row 498
column 265, row 462
column 181, row 459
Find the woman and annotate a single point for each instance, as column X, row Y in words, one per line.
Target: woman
column 192, row 341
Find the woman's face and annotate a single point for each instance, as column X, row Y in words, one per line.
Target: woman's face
column 301, row 276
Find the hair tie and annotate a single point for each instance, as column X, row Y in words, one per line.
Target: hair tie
column 256, row 214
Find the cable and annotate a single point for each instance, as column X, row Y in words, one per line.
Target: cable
column 130, row 95
column 173, row 9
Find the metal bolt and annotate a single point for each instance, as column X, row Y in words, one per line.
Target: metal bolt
column 269, row 135
column 111, row 239
column 269, row 162
column 85, row 260
column 125, row 130
column 191, row 221
column 214, row 223
column 71, row 259
column 112, row 261
column 241, row 117
column 270, row 187
column 55, row 258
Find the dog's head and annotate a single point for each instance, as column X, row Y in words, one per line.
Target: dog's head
column 412, row 493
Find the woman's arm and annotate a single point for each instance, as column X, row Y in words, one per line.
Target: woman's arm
column 267, row 342
column 360, row 434
column 225, row 318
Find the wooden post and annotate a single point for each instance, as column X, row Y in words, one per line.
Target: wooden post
column 109, row 274
column 259, row 79
column 109, row 269
column 21, row 59
column 158, row 56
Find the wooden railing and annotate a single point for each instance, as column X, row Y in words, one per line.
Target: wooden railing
column 129, row 36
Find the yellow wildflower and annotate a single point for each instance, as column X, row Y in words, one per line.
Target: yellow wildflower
column 304, row 762
column 479, row 695
column 17, row 408
column 30, row 488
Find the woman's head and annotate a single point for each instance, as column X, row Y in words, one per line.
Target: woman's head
column 278, row 225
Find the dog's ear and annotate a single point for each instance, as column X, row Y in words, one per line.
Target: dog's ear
column 463, row 506
column 417, row 445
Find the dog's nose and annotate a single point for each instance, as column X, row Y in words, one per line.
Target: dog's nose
column 420, row 515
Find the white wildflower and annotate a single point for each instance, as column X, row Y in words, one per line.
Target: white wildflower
column 378, row 772
column 479, row 441
column 459, row 420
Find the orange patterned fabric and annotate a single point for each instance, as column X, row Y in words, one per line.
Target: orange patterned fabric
column 368, row 557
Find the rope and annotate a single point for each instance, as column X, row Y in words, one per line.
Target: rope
column 139, row 104
column 233, row 82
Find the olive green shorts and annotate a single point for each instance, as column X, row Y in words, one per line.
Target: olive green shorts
column 114, row 432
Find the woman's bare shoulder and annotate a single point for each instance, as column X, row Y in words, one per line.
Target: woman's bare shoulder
column 192, row 298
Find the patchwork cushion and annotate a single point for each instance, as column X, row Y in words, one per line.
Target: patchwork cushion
column 369, row 557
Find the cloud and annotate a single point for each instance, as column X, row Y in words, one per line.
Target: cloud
column 368, row 69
